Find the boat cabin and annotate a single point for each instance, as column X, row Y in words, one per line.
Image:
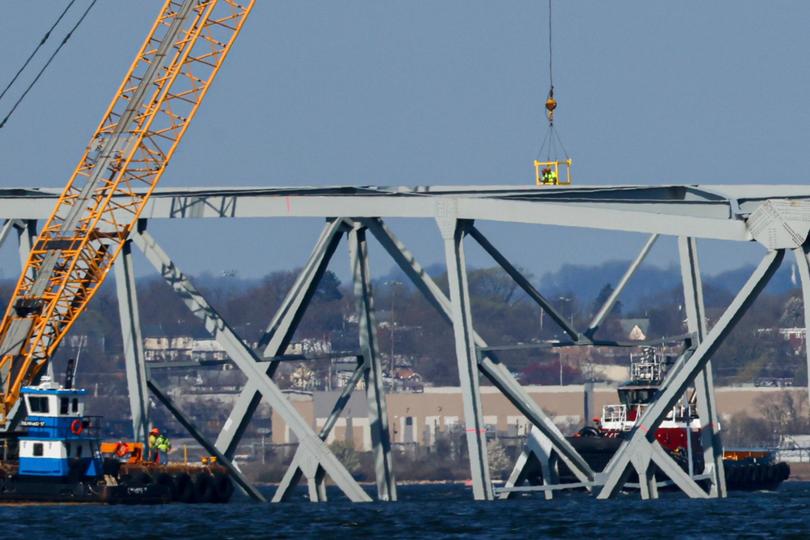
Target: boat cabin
column 59, row 439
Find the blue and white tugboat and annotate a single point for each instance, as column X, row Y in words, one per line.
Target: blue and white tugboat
column 59, row 458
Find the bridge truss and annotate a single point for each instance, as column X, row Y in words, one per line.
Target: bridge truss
column 777, row 217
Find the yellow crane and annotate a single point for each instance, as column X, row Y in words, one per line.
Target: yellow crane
column 107, row 191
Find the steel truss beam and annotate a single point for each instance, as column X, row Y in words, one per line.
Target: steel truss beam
column 249, row 363
column 641, row 448
column 698, row 211
column 453, row 232
column 526, row 285
column 488, row 363
column 26, row 236
column 540, row 449
column 301, row 464
column 802, row 262
column 132, row 339
column 372, row 372
column 599, row 318
column 704, row 382
column 280, row 331
column 184, row 421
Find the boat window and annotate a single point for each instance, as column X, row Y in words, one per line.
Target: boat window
column 635, row 397
column 38, row 404
column 78, row 450
column 38, row 450
column 67, row 449
column 64, row 405
column 75, row 405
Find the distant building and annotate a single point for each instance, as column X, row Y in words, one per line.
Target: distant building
column 796, row 337
column 182, row 348
column 420, row 418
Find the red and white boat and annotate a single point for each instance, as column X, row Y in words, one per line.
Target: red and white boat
column 679, row 432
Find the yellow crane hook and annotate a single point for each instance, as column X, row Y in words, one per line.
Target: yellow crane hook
column 551, row 104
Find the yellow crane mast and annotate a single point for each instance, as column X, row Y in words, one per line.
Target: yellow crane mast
column 106, row 194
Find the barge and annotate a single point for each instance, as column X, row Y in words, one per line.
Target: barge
column 56, row 456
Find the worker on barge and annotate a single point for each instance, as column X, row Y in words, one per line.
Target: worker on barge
column 159, row 446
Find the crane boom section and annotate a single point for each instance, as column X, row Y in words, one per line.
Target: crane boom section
column 106, row 194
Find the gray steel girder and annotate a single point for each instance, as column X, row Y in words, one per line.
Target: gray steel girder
column 249, row 363
column 488, row 363
column 704, row 382
column 667, row 210
column 802, row 262
column 281, row 330
column 369, row 346
column 294, row 472
column 238, row 477
column 677, row 382
column 611, row 301
column 526, row 285
column 453, row 232
column 132, row 338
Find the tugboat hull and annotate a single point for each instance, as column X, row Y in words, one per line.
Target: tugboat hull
column 746, row 475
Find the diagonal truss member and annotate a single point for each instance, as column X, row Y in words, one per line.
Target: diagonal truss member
column 249, row 363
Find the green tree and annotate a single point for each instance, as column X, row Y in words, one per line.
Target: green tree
column 347, row 455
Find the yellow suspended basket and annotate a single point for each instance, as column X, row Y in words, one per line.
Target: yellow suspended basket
column 547, row 173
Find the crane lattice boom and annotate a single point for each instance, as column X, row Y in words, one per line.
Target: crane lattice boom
column 99, row 207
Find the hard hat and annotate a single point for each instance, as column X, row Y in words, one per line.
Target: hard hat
column 155, row 431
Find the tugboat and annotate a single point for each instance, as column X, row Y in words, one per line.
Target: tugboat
column 679, row 432
column 56, row 457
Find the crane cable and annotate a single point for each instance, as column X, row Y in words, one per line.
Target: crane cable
column 551, row 103
column 36, row 50
column 50, row 59
column 551, row 142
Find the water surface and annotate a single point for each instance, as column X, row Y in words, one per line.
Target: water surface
column 435, row 511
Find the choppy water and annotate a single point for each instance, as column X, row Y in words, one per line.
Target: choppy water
column 435, row 512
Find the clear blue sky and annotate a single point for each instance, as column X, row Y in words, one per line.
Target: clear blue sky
column 440, row 92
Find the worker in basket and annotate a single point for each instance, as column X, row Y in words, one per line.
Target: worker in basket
column 548, row 176
column 159, row 446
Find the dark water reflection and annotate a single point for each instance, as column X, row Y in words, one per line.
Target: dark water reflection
column 435, row 512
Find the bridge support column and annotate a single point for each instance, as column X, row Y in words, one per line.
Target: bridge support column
column 704, row 382
column 802, row 262
column 488, row 363
column 133, row 343
column 26, row 236
column 453, row 232
column 372, row 373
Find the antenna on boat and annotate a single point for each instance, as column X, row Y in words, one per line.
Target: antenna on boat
column 72, row 366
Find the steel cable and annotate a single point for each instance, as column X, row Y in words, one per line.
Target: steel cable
column 36, row 50
column 550, row 56
column 50, row 59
